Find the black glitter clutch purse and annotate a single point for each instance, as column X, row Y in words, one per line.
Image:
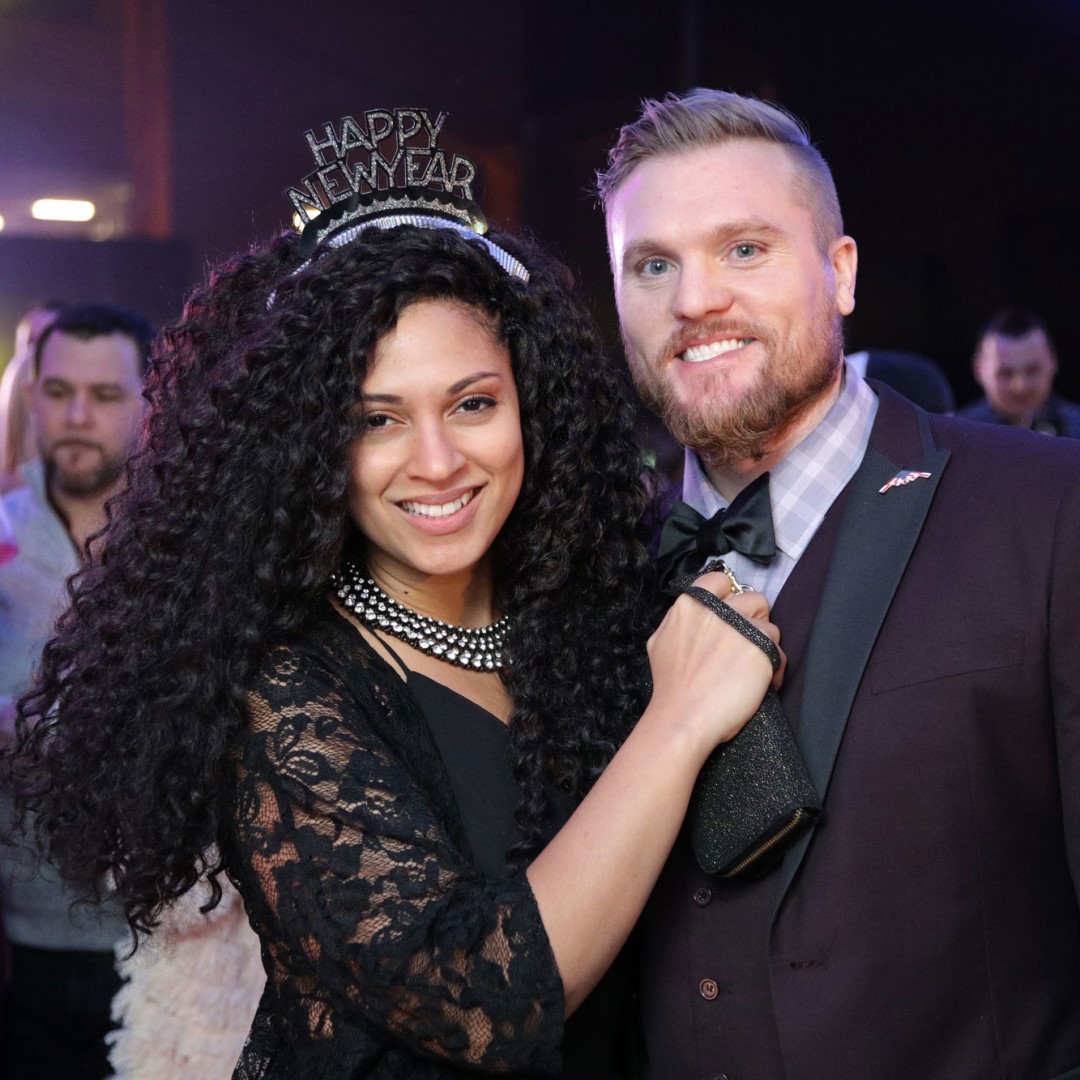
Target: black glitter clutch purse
column 754, row 794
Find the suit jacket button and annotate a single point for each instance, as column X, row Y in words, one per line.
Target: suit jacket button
column 703, row 896
column 708, row 989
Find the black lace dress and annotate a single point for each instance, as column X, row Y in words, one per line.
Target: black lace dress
column 392, row 949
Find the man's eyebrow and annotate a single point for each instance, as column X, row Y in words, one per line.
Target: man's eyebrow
column 57, row 380
column 751, row 229
column 641, row 249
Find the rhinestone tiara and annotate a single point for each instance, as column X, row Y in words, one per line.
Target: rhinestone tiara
column 384, row 170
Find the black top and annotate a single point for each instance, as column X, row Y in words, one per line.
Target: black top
column 381, row 936
column 475, row 746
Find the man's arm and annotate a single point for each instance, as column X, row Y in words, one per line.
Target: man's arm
column 1064, row 663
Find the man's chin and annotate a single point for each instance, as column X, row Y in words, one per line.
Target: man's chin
column 82, row 484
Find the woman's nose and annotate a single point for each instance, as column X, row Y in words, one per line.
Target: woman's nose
column 435, row 453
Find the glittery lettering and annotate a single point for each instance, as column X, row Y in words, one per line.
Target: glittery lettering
column 352, row 136
column 436, row 173
column 462, row 174
column 328, row 142
column 305, row 198
column 387, row 162
column 416, row 164
column 405, row 133
column 379, row 117
column 335, row 182
column 432, row 129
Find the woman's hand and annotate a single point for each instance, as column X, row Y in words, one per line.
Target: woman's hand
column 705, row 672
column 592, row 880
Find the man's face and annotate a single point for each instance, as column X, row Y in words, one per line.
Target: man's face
column 1016, row 374
column 86, row 408
column 730, row 311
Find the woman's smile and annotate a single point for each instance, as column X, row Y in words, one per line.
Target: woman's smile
column 442, row 515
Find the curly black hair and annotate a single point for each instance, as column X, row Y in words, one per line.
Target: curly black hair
column 235, row 517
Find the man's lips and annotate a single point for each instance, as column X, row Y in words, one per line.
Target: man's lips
column 75, row 444
column 709, row 350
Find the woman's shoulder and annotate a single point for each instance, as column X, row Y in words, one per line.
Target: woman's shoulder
column 324, row 670
column 328, row 650
column 328, row 676
column 324, row 694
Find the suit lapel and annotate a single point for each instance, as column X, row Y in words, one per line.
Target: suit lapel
column 876, row 538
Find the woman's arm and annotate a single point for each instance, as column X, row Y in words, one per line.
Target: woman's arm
column 593, row 879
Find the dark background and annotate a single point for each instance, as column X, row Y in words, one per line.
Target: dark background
column 951, row 128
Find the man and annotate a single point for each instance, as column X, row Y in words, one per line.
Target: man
column 1015, row 364
column 926, row 579
column 86, row 408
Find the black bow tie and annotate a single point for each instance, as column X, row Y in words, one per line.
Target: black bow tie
column 687, row 539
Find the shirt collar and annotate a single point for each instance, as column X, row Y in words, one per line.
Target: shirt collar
column 32, row 474
column 803, row 486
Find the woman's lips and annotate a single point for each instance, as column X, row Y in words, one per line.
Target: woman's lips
column 438, row 514
column 437, row 510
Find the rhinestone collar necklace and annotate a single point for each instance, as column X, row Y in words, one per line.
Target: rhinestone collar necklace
column 476, row 648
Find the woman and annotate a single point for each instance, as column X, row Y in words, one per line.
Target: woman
column 341, row 451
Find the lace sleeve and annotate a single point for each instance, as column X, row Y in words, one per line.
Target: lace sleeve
column 371, row 917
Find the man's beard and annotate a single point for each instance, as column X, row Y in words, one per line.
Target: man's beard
column 724, row 432
column 83, row 483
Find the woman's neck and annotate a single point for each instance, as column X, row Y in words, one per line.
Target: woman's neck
column 461, row 599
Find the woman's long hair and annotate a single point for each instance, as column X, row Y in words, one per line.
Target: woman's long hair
column 235, row 517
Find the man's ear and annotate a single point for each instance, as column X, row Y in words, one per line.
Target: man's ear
column 978, row 363
column 844, row 258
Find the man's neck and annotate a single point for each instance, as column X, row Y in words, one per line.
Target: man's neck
column 730, row 479
column 82, row 515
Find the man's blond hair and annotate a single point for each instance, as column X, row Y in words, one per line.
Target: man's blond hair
column 703, row 117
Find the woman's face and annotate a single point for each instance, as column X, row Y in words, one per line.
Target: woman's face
column 439, row 463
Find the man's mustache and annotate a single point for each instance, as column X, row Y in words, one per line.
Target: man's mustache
column 715, row 330
column 84, row 444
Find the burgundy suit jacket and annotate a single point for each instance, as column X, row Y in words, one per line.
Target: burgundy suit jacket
column 928, row 927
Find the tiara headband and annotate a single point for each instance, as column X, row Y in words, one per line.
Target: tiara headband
column 385, row 171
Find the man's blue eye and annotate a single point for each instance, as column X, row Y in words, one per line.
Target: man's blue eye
column 655, row 267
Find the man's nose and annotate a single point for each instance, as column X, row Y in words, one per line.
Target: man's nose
column 703, row 289
column 80, row 412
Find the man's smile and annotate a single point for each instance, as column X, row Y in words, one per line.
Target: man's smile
column 695, row 354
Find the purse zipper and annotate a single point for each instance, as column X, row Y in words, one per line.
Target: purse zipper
column 796, row 819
